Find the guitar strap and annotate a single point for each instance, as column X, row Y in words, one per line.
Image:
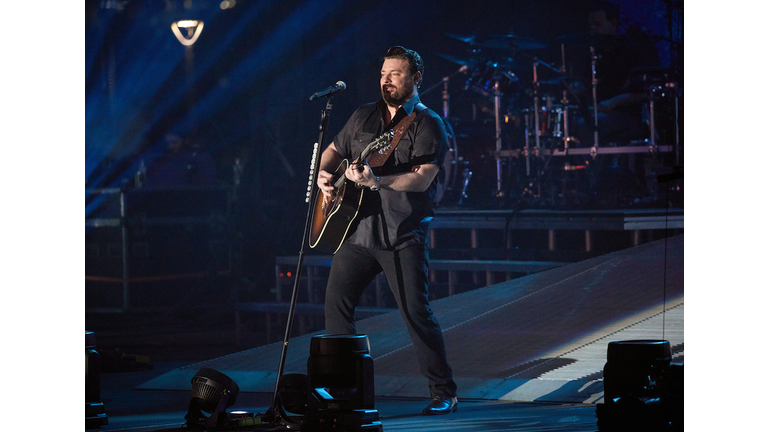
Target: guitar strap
column 377, row 159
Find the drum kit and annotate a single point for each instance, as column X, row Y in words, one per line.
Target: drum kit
column 516, row 139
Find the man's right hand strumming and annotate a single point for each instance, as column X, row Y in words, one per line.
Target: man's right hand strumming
column 328, row 159
column 325, row 183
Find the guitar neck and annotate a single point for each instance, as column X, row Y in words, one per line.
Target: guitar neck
column 340, row 181
column 376, row 144
column 342, row 177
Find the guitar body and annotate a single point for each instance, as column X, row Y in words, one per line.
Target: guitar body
column 332, row 220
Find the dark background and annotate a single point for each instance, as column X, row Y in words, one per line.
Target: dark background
column 242, row 89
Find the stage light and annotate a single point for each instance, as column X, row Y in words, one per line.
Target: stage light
column 341, row 393
column 632, row 366
column 212, row 392
column 95, row 416
column 192, row 27
column 643, row 388
column 343, row 367
column 292, row 394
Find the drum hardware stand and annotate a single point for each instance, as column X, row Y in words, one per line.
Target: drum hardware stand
column 534, row 181
column 567, row 139
column 673, row 86
column 527, row 151
column 595, row 137
column 536, row 63
column 652, row 117
column 499, row 193
column 446, row 96
column 467, row 177
column 446, row 114
column 594, row 94
column 497, row 107
column 563, row 69
column 566, row 135
column 536, row 119
column 536, row 130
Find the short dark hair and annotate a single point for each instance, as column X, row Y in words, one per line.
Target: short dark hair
column 414, row 59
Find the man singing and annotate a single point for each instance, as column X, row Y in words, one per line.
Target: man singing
column 390, row 231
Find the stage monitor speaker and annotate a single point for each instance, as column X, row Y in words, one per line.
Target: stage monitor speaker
column 632, row 367
column 340, row 373
column 643, row 388
column 95, row 415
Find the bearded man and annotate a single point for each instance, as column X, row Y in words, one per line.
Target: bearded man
column 389, row 232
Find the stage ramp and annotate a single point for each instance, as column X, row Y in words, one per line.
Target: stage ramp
column 542, row 337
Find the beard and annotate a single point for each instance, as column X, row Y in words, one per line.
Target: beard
column 399, row 96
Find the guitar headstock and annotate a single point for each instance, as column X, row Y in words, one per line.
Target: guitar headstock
column 378, row 144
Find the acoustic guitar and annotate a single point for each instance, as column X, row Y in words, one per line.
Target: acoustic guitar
column 332, row 218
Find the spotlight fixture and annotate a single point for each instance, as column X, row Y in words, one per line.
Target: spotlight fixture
column 342, row 366
column 643, row 388
column 192, row 27
column 212, row 392
column 95, row 416
column 340, row 375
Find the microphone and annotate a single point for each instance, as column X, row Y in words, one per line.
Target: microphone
column 338, row 87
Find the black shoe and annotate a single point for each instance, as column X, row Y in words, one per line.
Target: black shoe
column 441, row 405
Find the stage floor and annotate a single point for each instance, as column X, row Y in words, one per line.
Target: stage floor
column 135, row 410
column 527, row 353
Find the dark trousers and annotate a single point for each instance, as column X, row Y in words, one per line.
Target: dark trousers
column 407, row 272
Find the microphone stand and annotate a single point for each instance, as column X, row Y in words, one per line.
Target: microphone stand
column 315, row 165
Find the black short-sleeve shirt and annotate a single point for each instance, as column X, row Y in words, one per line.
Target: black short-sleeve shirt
column 390, row 219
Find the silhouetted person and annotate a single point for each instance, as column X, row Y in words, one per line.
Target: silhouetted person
column 618, row 56
column 184, row 163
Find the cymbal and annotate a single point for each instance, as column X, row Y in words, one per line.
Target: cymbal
column 652, row 75
column 469, row 62
column 588, row 39
column 506, row 64
column 478, row 61
column 561, row 80
column 507, row 41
